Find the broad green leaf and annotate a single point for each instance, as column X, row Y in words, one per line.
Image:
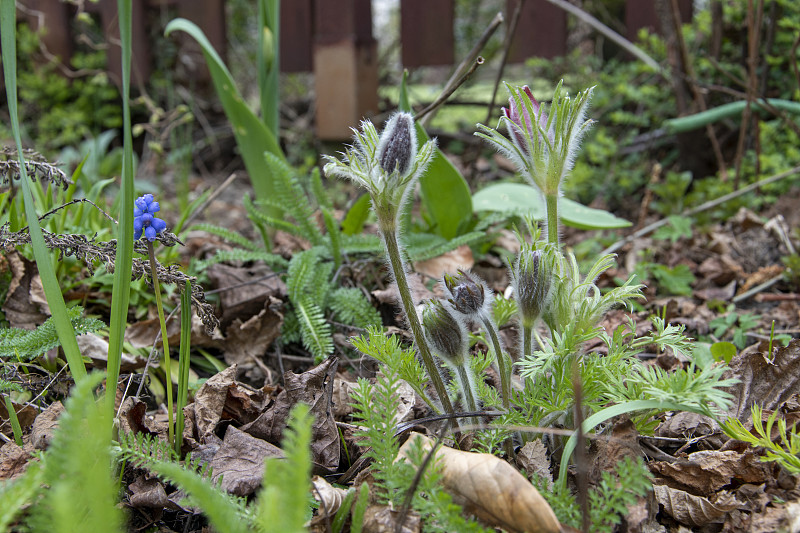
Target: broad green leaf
column 723, row 351
column 356, row 217
column 518, row 198
column 252, row 136
column 445, row 193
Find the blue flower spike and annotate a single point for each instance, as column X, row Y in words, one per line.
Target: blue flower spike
column 144, row 219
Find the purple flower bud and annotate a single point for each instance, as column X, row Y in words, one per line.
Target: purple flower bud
column 398, row 144
column 515, row 115
column 143, row 219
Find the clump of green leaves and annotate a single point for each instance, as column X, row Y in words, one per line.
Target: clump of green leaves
column 781, row 446
column 608, row 501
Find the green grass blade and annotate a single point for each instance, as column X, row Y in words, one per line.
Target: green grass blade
column 42, row 255
column 183, row 362
column 609, row 413
column 252, row 136
column 268, row 58
column 121, row 290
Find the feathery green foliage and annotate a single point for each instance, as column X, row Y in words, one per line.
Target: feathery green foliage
column 82, row 494
column 19, row 492
column 608, row 501
column 284, row 497
column 375, row 407
column 387, row 350
column 352, row 307
column 226, row 513
column 785, row 449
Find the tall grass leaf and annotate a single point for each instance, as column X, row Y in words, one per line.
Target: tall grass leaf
column 268, row 59
column 121, row 290
column 252, row 136
column 43, row 257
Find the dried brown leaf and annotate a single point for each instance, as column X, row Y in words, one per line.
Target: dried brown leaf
column 706, row 472
column 96, row 348
column 249, row 339
column 240, row 462
column 148, row 493
column 26, row 305
column 447, row 263
column 209, row 402
column 768, row 381
column 532, row 458
column 383, row 519
column 330, row 498
column 250, row 288
column 13, row 460
column 694, row 510
column 45, row 426
column 491, row 489
column 314, row 388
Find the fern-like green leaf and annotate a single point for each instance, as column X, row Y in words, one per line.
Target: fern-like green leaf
column 228, row 235
column 350, row 306
column 283, row 500
column 295, row 201
column 30, row 344
column 314, row 329
column 361, row 243
column 334, row 236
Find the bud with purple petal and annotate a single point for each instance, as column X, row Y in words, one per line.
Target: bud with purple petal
column 398, row 144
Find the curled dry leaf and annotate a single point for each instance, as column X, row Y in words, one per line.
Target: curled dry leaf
column 694, row 510
column 492, row 490
column 209, row 402
column 330, row 498
column 706, row 472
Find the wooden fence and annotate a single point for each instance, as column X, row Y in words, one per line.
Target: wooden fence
column 331, row 38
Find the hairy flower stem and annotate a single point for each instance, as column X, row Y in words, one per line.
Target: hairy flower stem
column 164, row 338
column 551, row 203
column 505, row 375
column 399, row 273
column 527, row 341
column 465, row 384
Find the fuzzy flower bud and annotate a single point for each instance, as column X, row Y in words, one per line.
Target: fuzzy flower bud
column 531, row 278
column 144, row 220
column 398, row 144
column 446, row 335
column 514, row 114
column 468, row 294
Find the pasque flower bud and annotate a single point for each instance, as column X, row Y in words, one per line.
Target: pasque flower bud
column 531, row 279
column 446, row 335
column 398, row 144
column 468, row 294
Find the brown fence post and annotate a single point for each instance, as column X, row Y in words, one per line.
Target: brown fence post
column 542, row 30
column 426, row 32
column 345, row 66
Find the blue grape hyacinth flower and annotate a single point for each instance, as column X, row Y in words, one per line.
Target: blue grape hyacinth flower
column 144, row 219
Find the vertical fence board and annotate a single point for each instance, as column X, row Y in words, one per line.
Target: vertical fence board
column 296, row 35
column 642, row 14
column 426, row 32
column 542, row 30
